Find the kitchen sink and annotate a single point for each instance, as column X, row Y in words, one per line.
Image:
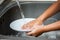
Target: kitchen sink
column 30, row 10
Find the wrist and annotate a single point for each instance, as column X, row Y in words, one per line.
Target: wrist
column 39, row 20
column 47, row 28
column 42, row 30
column 42, row 18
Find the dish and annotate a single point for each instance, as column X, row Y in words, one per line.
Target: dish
column 17, row 24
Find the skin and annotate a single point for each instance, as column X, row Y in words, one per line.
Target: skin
column 35, row 25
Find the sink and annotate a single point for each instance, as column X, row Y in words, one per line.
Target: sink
column 31, row 10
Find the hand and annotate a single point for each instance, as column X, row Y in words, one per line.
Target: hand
column 36, row 30
column 31, row 24
column 59, row 0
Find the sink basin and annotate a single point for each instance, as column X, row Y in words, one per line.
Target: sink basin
column 31, row 10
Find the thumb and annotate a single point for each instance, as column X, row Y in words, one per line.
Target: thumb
column 30, row 33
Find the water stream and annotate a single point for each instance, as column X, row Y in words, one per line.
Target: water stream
column 21, row 11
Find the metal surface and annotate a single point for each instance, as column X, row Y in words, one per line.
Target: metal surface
column 36, row 0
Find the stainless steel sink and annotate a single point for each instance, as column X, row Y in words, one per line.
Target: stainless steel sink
column 31, row 10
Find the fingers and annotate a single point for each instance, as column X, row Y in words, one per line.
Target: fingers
column 32, row 34
column 26, row 26
column 35, row 31
column 35, row 34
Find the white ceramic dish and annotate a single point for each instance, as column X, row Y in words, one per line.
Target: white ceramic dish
column 17, row 24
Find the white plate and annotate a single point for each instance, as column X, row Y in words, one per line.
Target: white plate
column 17, row 24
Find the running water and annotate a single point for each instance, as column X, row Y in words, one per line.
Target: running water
column 22, row 15
column 21, row 11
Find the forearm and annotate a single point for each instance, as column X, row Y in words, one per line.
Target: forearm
column 52, row 27
column 53, row 9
